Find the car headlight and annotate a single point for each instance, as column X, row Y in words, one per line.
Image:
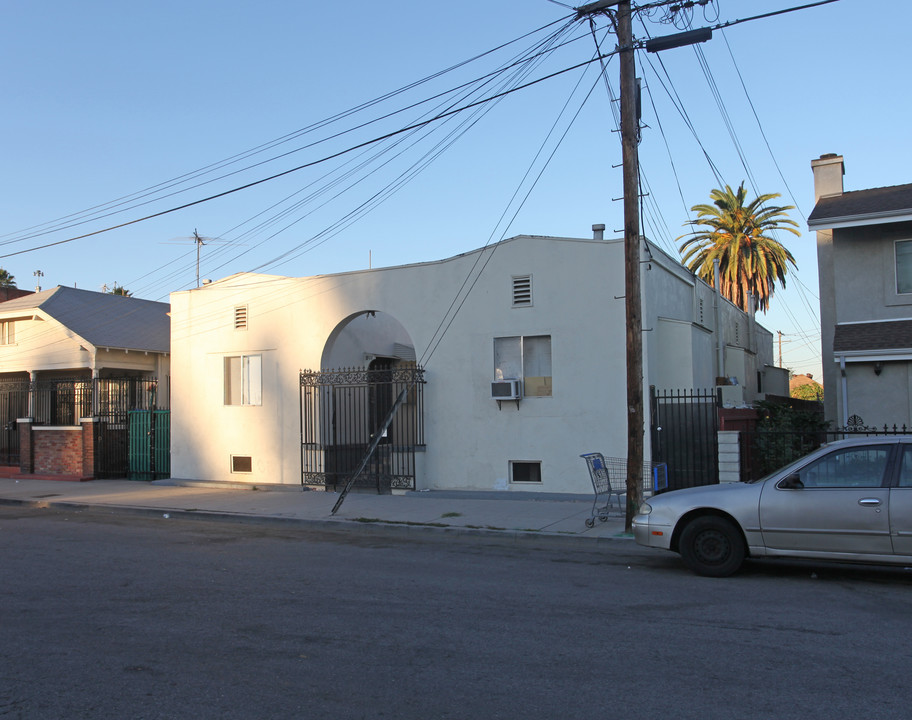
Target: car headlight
column 644, row 509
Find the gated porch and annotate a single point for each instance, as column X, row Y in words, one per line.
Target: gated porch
column 90, row 428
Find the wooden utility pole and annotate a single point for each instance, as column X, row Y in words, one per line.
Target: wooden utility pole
column 630, row 159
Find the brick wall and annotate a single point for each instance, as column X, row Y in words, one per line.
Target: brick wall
column 57, row 451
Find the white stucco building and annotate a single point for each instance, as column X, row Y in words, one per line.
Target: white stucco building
column 546, row 311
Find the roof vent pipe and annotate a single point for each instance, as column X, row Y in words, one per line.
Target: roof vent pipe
column 598, row 232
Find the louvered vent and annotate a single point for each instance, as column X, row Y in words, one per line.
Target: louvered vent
column 240, row 318
column 522, row 290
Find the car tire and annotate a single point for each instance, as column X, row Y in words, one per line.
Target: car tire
column 712, row 546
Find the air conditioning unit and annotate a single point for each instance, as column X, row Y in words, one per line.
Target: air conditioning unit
column 506, row 389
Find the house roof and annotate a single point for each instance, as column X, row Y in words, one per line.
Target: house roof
column 102, row 319
column 863, row 207
column 879, row 337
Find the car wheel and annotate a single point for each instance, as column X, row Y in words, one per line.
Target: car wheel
column 712, row 546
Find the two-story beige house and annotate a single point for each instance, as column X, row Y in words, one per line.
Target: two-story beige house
column 864, row 257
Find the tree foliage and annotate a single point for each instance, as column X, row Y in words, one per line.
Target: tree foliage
column 6, row 280
column 738, row 234
column 120, row 290
column 810, row 391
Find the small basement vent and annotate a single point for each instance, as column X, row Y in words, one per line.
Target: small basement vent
column 241, row 464
column 525, row 472
column 240, row 317
column 522, row 290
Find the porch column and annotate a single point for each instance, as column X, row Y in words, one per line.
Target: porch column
column 95, row 374
column 33, row 394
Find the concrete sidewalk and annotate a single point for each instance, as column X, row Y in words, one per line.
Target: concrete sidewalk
column 506, row 516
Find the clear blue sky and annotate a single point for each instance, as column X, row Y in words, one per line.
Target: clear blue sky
column 105, row 99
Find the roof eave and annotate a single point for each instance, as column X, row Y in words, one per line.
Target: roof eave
column 847, row 221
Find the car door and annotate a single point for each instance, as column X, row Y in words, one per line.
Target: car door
column 901, row 504
column 836, row 503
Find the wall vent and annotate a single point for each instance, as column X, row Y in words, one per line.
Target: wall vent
column 241, row 464
column 522, row 290
column 525, row 472
column 240, row 317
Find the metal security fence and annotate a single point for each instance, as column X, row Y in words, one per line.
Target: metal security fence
column 684, row 432
column 341, row 410
column 764, row 451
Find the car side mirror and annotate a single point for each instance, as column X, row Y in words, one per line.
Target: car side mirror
column 791, row 482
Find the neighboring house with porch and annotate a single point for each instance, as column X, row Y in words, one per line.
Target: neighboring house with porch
column 512, row 359
column 864, row 258
column 72, row 364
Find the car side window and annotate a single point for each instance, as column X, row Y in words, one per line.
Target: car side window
column 905, row 471
column 856, row 467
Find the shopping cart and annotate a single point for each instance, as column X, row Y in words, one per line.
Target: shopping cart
column 609, row 479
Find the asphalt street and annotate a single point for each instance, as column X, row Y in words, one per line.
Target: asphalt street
column 112, row 615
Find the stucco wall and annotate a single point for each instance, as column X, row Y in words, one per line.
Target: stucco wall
column 577, row 291
column 470, row 439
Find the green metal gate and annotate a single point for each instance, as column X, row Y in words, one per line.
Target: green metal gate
column 150, row 444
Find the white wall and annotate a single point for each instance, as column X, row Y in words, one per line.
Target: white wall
column 577, row 288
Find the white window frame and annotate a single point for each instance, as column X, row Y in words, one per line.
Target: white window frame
column 243, row 379
column 906, row 288
column 7, row 332
column 514, row 360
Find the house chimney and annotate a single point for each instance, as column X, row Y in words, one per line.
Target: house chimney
column 598, row 232
column 828, row 172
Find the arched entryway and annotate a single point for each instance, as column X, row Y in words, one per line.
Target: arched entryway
column 368, row 365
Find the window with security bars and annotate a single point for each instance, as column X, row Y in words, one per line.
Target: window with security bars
column 522, row 290
column 240, row 317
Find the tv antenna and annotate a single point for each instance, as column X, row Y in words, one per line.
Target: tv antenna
column 200, row 241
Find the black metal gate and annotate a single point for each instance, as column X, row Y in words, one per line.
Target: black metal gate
column 116, row 399
column 685, row 432
column 14, row 397
column 340, row 412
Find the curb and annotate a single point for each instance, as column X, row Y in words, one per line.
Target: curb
column 340, row 526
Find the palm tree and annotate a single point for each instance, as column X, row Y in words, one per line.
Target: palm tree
column 750, row 261
column 6, row 280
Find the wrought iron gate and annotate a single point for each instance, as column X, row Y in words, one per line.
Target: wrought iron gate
column 340, row 412
column 14, row 396
column 685, row 430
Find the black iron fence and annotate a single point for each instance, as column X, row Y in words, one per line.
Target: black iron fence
column 340, row 412
column 764, row 451
column 66, row 401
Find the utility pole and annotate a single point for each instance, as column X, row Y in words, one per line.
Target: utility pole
column 630, row 159
column 634, row 315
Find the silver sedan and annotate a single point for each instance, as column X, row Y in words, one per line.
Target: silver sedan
column 849, row 501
